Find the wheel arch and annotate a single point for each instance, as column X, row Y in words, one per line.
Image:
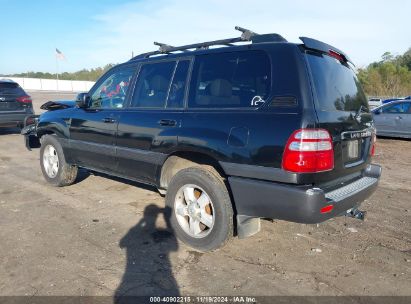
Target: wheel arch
column 184, row 159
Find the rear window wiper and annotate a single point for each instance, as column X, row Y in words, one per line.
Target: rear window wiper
column 361, row 110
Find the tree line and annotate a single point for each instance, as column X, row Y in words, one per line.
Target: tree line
column 391, row 76
column 84, row 74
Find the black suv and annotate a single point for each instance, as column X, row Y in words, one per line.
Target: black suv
column 267, row 129
column 15, row 104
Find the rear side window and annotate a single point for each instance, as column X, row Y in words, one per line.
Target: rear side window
column 335, row 84
column 11, row 88
column 230, row 80
column 397, row 108
column 153, row 84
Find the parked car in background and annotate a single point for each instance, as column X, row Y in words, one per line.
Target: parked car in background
column 374, row 102
column 393, row 119
column 230, row 134
column 15, row 104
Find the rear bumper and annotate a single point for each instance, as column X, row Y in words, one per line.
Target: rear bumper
column 302, row 204
column 13, row 119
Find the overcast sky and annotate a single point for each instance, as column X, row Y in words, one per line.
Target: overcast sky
column 92, row 33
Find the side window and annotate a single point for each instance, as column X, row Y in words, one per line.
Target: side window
column 111, row 94
column 153, row 84
column 178, row 86
column 231, row 80
column 396, row 108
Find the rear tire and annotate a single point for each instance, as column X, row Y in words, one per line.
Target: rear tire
column 202, row 213
column 53, row 163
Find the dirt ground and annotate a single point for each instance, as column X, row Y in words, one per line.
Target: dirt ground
column 104, row 236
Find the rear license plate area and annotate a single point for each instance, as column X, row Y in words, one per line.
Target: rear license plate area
column 352, row 151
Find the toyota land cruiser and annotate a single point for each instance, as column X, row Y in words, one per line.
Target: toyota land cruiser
column 256, row 128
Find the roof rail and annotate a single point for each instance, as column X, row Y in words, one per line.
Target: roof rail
column 246, row 35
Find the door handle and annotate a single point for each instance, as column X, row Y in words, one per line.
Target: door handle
column 167, row 122
column 398, row 117
column 108, row 120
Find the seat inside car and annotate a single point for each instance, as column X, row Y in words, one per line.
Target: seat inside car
column 156, row 93
column 221, row 93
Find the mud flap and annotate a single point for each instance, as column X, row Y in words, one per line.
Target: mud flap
column 247, row 226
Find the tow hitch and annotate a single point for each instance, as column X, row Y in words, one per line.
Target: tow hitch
column 355, row 213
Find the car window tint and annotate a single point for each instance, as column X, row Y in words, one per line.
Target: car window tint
column 231, row 80
column 153, row 84
column 178, row 86
column 396, row 108
column 111, row 93
column 336, row 85
column 407, row 107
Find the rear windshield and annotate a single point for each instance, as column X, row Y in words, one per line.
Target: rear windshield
column 335, row 83
column 10, row 88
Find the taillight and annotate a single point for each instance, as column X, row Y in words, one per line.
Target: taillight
column 327, row 209
column 336, row 55
column 24, row 99
column 309, row 150
column 373, row 144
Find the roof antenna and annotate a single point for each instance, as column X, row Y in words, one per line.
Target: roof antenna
column 246, row 34
column 164, row 48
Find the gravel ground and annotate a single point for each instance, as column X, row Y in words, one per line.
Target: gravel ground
column 105, row 236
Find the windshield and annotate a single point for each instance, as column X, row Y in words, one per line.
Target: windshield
column 335, row 84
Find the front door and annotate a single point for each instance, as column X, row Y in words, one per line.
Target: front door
column 93, row 129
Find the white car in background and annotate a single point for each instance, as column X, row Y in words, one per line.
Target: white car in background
column 374, row 102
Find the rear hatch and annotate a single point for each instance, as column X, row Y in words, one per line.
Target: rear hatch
column 13, row 98
column 342, row 109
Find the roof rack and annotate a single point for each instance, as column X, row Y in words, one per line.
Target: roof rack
column 246, row 35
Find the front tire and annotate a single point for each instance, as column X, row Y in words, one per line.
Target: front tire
column 202, row 213
column 53, row 163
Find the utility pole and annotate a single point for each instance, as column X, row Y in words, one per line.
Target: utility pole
column 57, row 72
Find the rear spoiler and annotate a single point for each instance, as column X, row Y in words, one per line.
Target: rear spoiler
column 317, row 45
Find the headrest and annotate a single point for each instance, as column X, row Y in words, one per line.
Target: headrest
column 159, row 83
column 221, row 88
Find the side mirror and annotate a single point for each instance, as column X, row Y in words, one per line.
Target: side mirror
column 82, row 100
column 377, row 112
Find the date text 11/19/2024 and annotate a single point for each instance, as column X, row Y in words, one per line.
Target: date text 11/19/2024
column 203, row 299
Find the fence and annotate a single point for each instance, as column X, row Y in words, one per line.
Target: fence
column 38, row 84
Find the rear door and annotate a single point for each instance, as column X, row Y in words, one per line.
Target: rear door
column 342, row 109
column 11, row 98
column 149, row 128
